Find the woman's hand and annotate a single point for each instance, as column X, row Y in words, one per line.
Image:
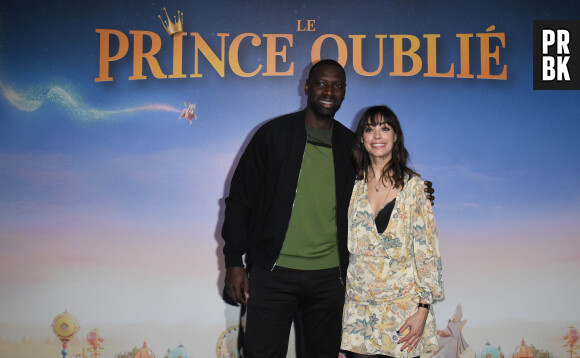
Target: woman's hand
column 416, row 325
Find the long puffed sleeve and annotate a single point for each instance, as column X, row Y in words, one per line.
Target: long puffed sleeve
column 428, row 271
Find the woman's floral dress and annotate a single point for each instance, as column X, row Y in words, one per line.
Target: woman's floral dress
column 388, row 272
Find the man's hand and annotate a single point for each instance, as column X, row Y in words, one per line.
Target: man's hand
column 237, row 285
column 429, row 191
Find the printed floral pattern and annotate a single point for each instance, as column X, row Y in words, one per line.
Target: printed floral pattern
column 388, row 272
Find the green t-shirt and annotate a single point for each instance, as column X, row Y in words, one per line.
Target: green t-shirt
column 310, row 242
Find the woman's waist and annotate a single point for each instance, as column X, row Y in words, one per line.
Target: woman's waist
column 396, row 259
column 379, row 279
column 369, row 294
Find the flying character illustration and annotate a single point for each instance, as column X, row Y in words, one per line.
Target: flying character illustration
column 189, row 112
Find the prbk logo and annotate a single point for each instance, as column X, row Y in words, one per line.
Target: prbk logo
column 557, row 55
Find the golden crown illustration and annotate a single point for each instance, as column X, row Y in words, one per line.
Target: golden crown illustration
column 174, row 26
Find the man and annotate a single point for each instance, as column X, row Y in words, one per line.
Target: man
column 287, row 213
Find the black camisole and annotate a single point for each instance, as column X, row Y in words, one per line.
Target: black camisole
column 382, row 219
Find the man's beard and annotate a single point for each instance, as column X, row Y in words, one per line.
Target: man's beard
column 322, row 111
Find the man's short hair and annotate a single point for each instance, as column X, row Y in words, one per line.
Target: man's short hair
column 325, row 62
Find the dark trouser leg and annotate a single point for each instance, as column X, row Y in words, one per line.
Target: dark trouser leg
column 321, row 313
column 271, row 307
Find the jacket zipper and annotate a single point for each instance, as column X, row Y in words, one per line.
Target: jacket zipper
column 294, row 202
column 336, row 218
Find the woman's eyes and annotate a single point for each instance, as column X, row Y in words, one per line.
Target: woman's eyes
column 383, row 128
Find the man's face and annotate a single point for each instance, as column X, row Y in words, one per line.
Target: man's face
column 325, row 90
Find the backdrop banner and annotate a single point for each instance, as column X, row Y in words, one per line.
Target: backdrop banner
column 121, row 123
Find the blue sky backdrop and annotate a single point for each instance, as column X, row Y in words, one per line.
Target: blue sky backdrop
column 95, row 186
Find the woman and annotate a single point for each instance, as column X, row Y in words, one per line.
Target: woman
column 394, row 273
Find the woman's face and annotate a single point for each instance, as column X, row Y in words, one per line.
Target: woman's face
column 379, row 140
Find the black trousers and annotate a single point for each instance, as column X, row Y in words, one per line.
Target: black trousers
column 276, row 296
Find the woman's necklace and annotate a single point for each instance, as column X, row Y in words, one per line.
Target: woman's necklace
column 378, row 186
column 387, row 196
